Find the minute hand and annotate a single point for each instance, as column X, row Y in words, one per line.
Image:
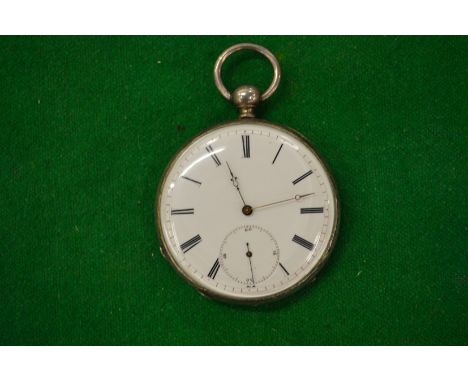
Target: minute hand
column 296, row 197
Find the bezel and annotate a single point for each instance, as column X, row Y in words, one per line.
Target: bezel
column 247, row 299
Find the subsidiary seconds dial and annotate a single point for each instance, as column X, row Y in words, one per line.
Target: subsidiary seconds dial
column 249, row 255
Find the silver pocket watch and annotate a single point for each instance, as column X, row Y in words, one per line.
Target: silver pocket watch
column 247, row 211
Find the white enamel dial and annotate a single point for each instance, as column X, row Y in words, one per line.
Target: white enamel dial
column 247, row 211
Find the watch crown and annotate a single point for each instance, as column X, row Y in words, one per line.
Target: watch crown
column 246, row 98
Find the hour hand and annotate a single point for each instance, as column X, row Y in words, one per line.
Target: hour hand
column 233, row 178
column 235, row 183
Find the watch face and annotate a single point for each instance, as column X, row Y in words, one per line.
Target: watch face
column 247, row 212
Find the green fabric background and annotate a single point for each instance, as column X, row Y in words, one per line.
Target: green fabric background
column 88, row 124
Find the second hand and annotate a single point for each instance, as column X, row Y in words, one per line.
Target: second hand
column 249, row 255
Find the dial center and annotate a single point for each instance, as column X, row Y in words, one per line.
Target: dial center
column 247, row 210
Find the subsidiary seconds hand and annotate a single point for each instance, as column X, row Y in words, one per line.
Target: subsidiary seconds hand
column 249, row 255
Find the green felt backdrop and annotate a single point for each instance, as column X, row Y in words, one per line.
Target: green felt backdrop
column 88, row 124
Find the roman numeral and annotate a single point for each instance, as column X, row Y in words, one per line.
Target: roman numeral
column 183, row 211
column 303, row 242
column 277, row 153
column 302, row 177
column 284, row 269
column 214, row 269
column 190, row 179
column 213, row 155
column 189, row 244
column 312, row 210
column 246, row 145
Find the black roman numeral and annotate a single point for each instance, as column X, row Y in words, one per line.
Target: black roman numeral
column 214, row 269
column 213, row 155
column 246, row 145
column 277, row 153
column 284, row 269
column 192, row 180
column 183, row 211
column 301, row 241
column 302, row 177
column 312, row 210
column 189, row 244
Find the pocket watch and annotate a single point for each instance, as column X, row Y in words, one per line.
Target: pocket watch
column 247, row 211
